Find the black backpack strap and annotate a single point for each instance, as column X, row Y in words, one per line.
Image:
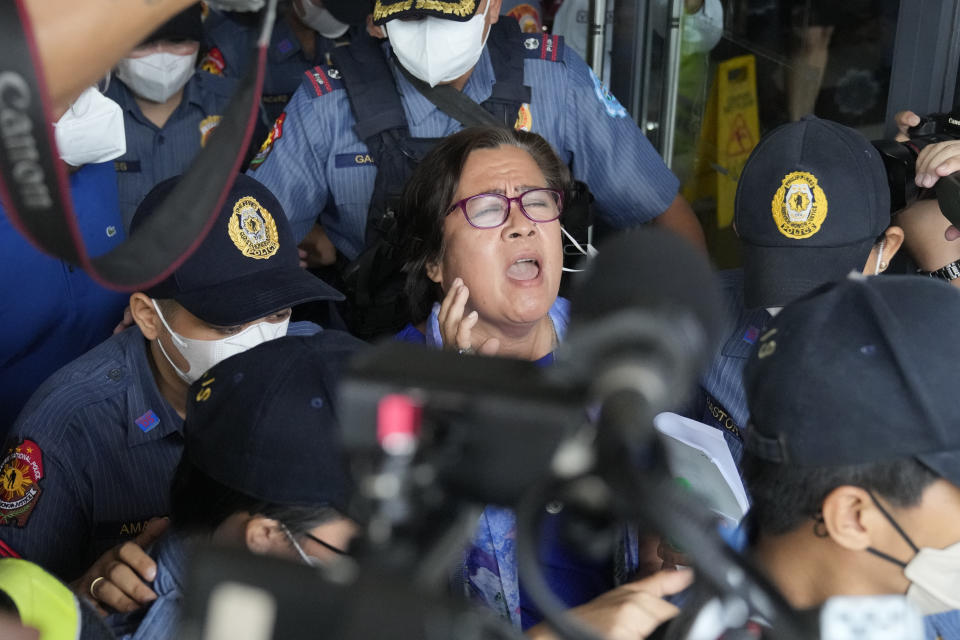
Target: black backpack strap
column 506, row 47
column 367, row 77
column 34, row 186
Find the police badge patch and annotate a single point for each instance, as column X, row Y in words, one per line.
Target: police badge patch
column 20, row 476
column 799, row 206
column 253, row 229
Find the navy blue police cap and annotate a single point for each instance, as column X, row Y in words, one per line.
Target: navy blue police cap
column 459, row 11
column 247, row 266
column 861, row 371
column 349, row 11
column 186, row 25
column 262, row 422
column 811, row 201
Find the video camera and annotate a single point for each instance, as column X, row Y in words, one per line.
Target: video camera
column 900, row 161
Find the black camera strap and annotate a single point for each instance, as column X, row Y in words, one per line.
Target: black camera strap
column 34, row 186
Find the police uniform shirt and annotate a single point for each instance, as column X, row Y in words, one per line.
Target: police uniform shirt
column 155, row 154
column 315, row 163
column 54, row 311
column 722, row 400
column 229, row 48
column 90, row 458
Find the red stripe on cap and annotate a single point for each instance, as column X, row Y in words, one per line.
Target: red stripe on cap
column 313, row 81
column 6, row 551
column 556, row 41
column 326, row 83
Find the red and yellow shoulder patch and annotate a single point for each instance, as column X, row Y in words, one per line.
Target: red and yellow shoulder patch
column 213, row 62
column 20, row 474
column 275, row 134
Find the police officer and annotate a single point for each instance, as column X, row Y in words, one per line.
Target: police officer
column 854, row 462
column 169, row 110
column 91, row 456
column 304, row 35
column 55, row 311
column 358, row 128
column 830, row 214
column 262, row 467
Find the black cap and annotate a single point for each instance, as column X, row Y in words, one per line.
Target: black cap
column 186, row 25
column 247, row 267
column 387, row 10
column 862, row 371
column 811, row 201
column 349, row 11
column 262, row 422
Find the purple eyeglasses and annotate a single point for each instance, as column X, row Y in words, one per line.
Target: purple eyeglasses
column 490, row 210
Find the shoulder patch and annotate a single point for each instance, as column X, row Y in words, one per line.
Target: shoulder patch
column 610, row 103
column 20, row 474
column 213, row 62
column 276, row 132
column 543, row 47
column 322, row 80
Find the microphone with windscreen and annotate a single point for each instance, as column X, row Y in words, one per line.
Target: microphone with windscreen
column 646, row 316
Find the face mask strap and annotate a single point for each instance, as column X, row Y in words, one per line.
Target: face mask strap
column 899, row 530
column 177, row 339
column 590, row 251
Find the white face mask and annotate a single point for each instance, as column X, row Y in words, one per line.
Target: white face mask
column 934, row 574
column 201, row 355
column 437, row 50
column 157, row 76
column 320, row 20
column 91, row 130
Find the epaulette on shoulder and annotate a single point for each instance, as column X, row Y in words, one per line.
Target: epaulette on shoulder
column 543, row 47
column 322, row 80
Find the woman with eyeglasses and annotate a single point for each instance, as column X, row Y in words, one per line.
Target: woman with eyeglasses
column 261, row 469
column 479, row 225
column 479, row 222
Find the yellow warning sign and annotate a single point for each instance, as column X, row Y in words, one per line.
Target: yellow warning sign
column 731, row 129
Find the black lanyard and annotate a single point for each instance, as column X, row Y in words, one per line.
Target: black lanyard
column 33, row 182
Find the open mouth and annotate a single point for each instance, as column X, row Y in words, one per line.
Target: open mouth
column 524, row 269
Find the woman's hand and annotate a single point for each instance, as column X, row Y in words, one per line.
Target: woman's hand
column 629, row 612
column 457, row 329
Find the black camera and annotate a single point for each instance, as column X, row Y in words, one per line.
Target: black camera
column 900, row 161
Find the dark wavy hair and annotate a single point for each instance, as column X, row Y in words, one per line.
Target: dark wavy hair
column 429, row 193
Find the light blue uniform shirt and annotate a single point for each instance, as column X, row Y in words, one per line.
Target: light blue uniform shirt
column 318, row 165
column 155, row 154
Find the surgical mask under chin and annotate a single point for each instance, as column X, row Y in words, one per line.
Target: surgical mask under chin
column 320, row 20
column 91, row 130
column 934, row 574
column 157, row 76
column 201, row 355
column 437, row 50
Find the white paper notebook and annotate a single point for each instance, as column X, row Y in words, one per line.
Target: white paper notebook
column 698, row 456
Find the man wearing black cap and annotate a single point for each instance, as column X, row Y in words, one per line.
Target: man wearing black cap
column 853, row 456
column 353, row 132
column 89, row 460
column 169, row 110
column 261, row 468
column 812, row 205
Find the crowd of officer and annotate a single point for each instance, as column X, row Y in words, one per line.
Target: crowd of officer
column 136, row 425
